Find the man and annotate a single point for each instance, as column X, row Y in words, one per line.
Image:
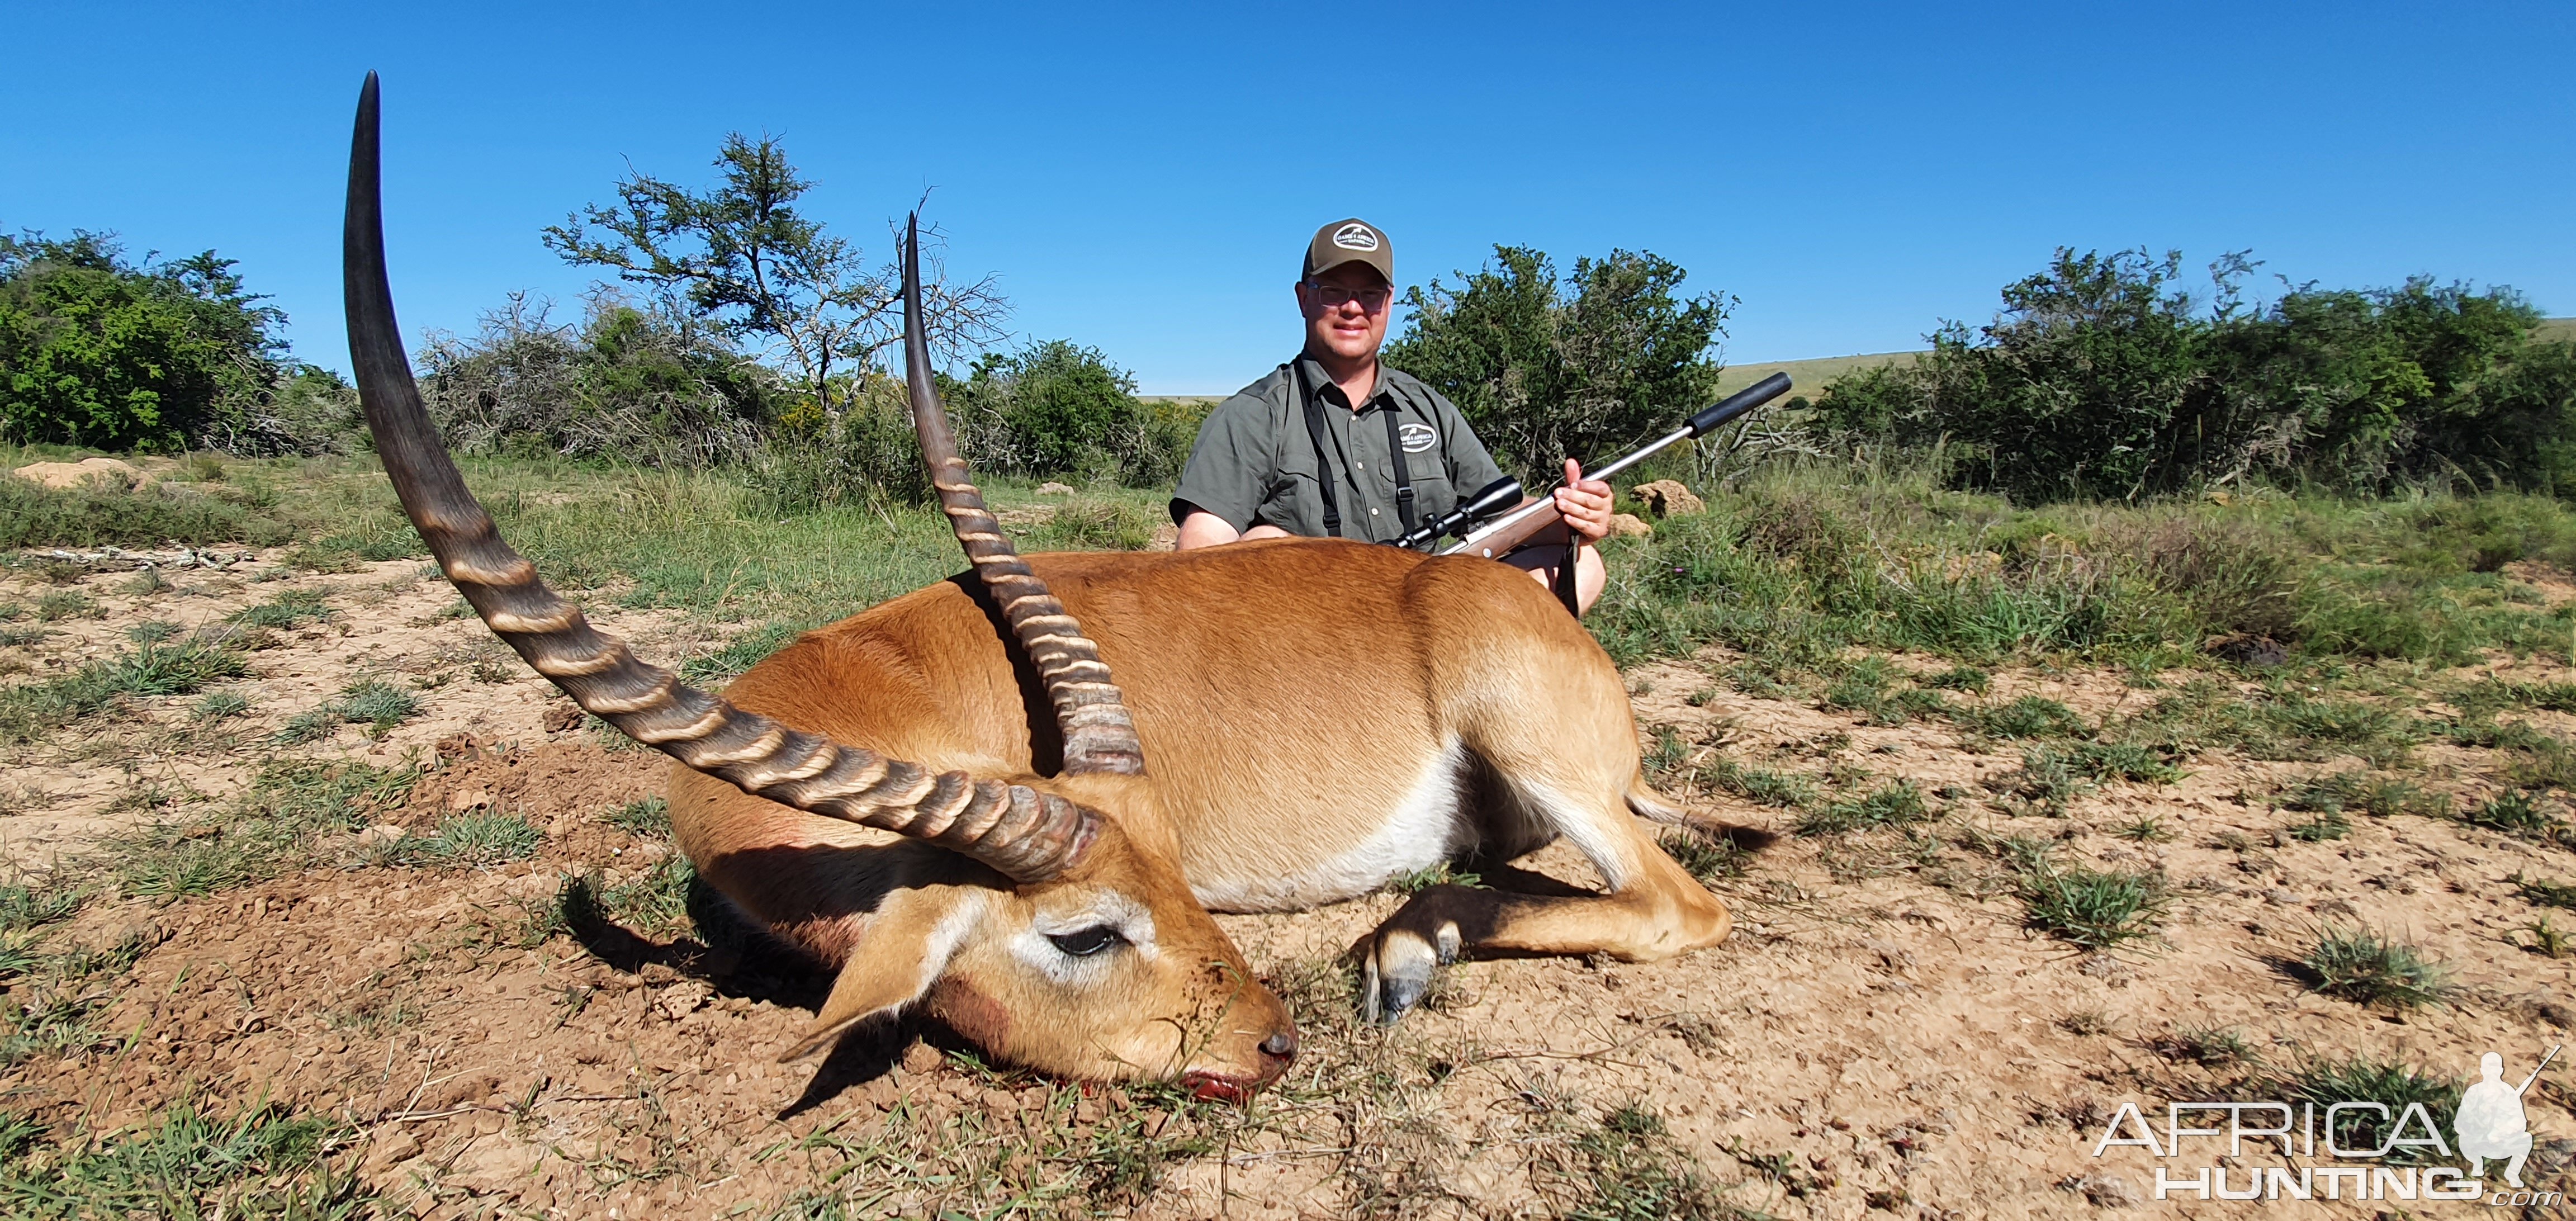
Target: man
column 1336, row 444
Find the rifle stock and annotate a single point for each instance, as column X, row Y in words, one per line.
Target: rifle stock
column 1530, row 523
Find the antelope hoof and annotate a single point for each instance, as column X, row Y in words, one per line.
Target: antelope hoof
column 1398, row 971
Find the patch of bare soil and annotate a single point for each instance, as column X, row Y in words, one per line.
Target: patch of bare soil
column 1885, row 1032
column 394, row 622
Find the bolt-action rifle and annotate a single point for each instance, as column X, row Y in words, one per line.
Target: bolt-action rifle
column 1521, row 524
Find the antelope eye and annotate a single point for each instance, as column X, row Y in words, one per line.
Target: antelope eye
column 1085, row 942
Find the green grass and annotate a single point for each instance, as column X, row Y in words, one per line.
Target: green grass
column 271, row 827
column 2205, row 1045
column 216, row 705
column 1628, row 1168
column 472, row 841
column 27, row 905
column 649, row 817
column 2544, row 894
column 56, row 605
column 2327, row 1081
column 30, row 710
column 2369, row 968
column 1787, row 790
column 1709, row 860
column 2031, row 716
column 1893, row 805
column 1803, row 560
column 187, row 1161
column 289, row 608
column 2516, row 813
column 2091, row 908
column 2325, row 825
column 740, row 654
column 378, row 704
column 1088, row 524
column 2337, row 793
column 32, row 516
column 654, row 903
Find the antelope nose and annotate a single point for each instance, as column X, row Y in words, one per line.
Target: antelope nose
column 1280, row 1046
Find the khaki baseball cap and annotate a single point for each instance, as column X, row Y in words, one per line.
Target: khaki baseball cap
column 1349, row 240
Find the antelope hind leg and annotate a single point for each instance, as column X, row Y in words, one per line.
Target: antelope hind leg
column 1660, row 912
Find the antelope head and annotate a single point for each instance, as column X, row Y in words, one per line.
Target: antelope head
column 1056, row 928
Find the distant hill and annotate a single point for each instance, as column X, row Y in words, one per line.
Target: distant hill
column 1805, row 376
column 1810, row 376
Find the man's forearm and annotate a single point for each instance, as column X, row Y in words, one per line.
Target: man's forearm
column 1204, row 529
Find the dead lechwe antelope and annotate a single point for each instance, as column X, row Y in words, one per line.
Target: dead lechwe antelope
column 948, row 799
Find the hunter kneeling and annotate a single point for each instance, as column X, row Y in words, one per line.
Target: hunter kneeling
column 1334, row 444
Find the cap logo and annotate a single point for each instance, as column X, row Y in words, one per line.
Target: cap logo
column 1355, row 236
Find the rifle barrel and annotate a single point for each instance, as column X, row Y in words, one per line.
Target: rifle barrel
column 2543, row 1067
column 1700, row 425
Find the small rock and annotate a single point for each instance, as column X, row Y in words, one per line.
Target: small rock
column 381, row 833
column 2258, row 652
column 920, row 1058
column 109, row 471
column 1629, row 525
column 1055, row 489
column 2278, row 897
column 2101, row 966
column 1668, row 498
column 883, row 1094
column 400, row 1146
column 466, row 799
column 2106, row 1191
column 561, row 716
column 681, row 999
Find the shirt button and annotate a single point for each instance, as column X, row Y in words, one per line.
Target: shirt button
column 1372, row 512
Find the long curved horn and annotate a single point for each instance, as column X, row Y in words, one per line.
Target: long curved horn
column 1099, row 735
column 1026, row 835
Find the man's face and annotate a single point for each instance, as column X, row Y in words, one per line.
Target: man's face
column 1354, row 323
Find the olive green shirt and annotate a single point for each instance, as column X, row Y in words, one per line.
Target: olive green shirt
column 1256, row 463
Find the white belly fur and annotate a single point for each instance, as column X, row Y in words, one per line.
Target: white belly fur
column 1423, row 829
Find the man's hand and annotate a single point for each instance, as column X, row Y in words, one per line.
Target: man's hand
column 1584, row 504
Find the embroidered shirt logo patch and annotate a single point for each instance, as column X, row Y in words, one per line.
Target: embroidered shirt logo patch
column 1418, row 437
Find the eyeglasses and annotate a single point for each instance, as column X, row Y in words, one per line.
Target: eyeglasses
column 1334, row 296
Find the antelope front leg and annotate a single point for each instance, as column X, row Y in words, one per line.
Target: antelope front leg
column 1659, row 914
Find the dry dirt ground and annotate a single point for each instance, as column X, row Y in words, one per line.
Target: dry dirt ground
column 1883, row 1034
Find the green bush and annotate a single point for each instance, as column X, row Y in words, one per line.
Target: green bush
column 98, row 351
column 632, row 384
column 1057, row 408
column 2102, row 378
column 1547, row 367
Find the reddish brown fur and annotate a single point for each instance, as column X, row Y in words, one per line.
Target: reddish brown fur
column 1288, row 696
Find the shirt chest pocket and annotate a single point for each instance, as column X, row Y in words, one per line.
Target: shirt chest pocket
column 1291, row 495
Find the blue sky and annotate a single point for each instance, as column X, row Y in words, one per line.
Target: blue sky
column 1142, row 178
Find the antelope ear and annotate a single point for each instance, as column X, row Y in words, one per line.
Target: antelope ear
column 906, row 948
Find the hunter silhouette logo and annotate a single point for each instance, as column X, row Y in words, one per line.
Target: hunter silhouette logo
column 2351, row 1149
column 1355, row 236
column 2490, row 1122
